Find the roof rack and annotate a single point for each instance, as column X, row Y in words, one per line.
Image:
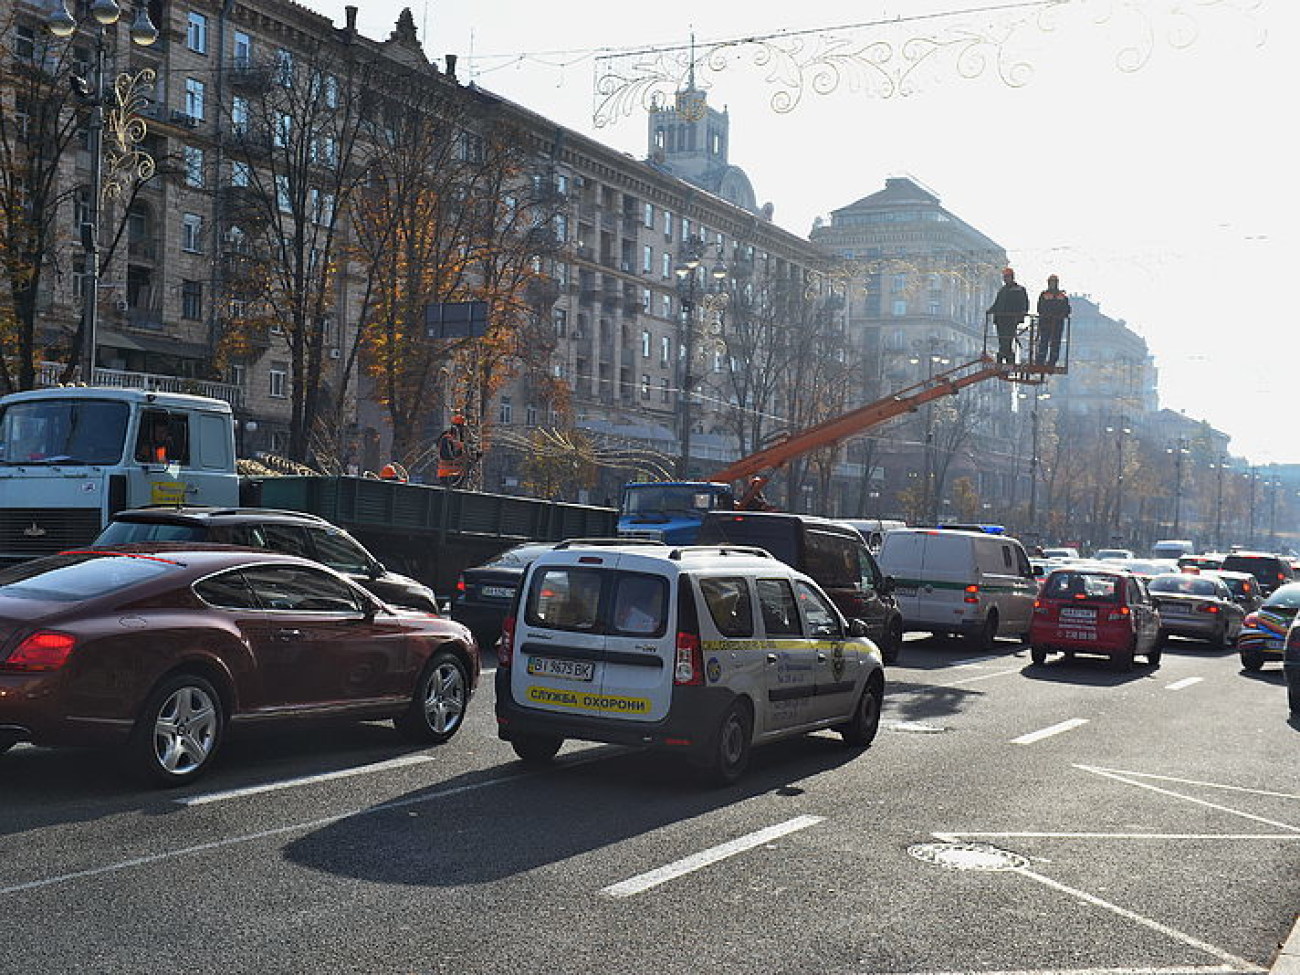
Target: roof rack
column 697, row 550
column 607, row 542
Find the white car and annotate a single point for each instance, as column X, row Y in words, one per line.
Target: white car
column 702, row 650
column 1113, row 554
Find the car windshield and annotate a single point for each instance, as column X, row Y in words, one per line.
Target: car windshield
column 63, row 431
column 1096, row 586
column 120, row 532
column 1186, row 584
column 1284, row 597
column 73, row 576
column 657, row 498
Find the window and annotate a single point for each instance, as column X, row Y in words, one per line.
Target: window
column 322, row 207
column 900, row 307
column 338, row 551
column 821, row 616
column 777, row 606
column 283, row 130
column 193, row 160
column 241, row 174
column 645, row 344
column 666, row 305
column 163, row 438
column 192, row 300
column 243, row 49
column 196, row 33
column 647, row 258
column 666, row 265
column 239, row 114
column 195, row 95
column 300, row 588
column 640, row 604
column 649, row 218
column 645, row 388
column 560, row 318
column 665, row 350
column 227, row 591
column 284, row 68
column 330, row 91
column 325, row 151
column 729, row 604
column 25, row 43
column 506, row 411
column 283, row 198
column 192, row 233
column 668, row 225
column 530, row 415
column 278, row 381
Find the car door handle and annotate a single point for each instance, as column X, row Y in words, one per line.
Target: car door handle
column 772, row 658
column 288, row 634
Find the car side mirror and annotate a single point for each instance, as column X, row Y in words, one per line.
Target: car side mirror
column 857, row 627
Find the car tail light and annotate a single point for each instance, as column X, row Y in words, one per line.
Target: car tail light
column 506, row 643
column 43, row 650
column 972, row 594
column 1208, row 608
column 460, row 584
column 688, row 669
column 1116, row 615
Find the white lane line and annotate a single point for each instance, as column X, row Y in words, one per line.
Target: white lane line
column 1192, row 799
column 1205, row 785
column 972, row 680
column 346, row 773
column 1024, row 835
column 973, row 661
column 1239, row 964
column 1178, row 685
column 301, row 827
column 1055, row 729
column 1175, row 970
column 653, row 878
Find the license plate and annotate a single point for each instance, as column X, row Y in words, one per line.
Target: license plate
column 498, row 592
column 1075, row 613
column 583, row 670
column 1084, row 635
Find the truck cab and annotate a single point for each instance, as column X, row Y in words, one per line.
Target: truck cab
column 670, row 511
column 72, row 456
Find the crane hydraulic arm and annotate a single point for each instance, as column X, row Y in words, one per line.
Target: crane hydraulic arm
column 836, row 429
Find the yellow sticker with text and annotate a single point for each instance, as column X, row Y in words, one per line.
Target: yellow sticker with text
column 563, row 697
column 167, row 492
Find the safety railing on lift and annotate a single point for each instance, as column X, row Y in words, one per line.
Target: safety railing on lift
column 1037, row 350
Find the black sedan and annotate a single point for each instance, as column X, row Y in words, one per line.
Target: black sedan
column 484, row 592
column 158, row 650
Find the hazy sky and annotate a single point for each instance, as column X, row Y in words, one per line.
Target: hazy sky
column 1148, row 158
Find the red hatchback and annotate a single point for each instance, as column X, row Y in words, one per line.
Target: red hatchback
column 160, row 649
column 1095, row 610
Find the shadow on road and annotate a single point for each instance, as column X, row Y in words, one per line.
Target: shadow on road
column 577, row 806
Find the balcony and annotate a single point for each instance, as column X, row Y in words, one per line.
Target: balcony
column 48, row 373
column 244, row 75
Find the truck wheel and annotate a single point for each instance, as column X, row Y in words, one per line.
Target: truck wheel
column 1252, row 661
column 1038, row 655
column 893, row 642
column 727, row 756
column 985, row 637
column 177, row 732
column 536, row 749
column 860, row 730
column 437, row 708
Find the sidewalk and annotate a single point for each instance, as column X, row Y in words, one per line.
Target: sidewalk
column 1288, row 962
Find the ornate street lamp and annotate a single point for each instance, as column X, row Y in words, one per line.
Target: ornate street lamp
column 128, row 131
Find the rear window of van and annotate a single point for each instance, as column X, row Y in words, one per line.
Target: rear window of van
column 729, row 604
column 598, row 601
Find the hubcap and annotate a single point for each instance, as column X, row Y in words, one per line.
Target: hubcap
column 444, row 702
column 185, row 730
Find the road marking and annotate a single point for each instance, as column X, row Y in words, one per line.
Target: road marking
column 972, row 680
column 1240, row 964
column 1205, row 785
column 1025, row 835
column 1178, row 685
column 308, row 825
column 974, row 661
column 1129, row 778
column 653, row 878
column 1176, row 970
column 346, row 773
column 1055, row 729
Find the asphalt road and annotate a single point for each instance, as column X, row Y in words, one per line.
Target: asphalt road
column 1009, row 818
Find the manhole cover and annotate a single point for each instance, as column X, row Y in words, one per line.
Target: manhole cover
column 967, row 856
column 917, row 727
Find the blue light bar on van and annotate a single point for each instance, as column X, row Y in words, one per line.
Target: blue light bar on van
column 986, row 529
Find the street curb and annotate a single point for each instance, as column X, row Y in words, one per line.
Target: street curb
column 1288, row 959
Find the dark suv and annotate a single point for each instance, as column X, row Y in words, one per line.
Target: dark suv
column 833, row 554
column 294, row 532
column 1271, row 570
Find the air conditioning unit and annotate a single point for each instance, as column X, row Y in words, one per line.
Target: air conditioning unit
column 336, row 353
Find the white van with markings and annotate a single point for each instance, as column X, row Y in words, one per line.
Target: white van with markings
column 702, row 650
column 970, row 583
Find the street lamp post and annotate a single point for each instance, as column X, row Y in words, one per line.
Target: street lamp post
column 63, row 25
column 694, row 299
column 1179, row 451
column 1219, row 467
column 1121, row 429
column 932, row 359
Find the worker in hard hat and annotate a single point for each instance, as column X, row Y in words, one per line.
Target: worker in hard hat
column 453, row 458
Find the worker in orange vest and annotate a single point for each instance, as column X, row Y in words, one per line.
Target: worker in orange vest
column 453, row 457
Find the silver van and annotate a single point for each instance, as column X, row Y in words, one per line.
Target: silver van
column 978, row 585
column 701, row 650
